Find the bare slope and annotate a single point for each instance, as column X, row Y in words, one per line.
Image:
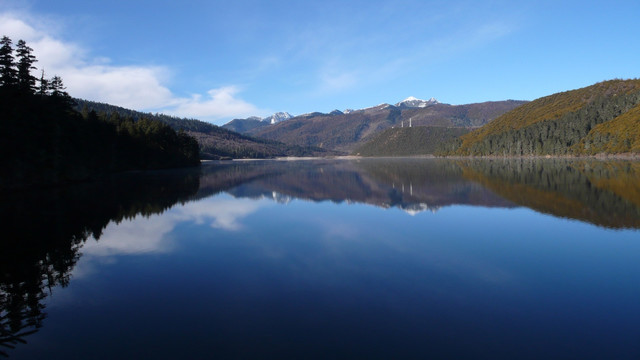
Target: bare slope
column 419, row 140
column 345, row 131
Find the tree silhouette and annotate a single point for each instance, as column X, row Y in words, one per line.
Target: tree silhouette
column 45, row 141
column 43, row 89
column 7, row 64
column 26, row 81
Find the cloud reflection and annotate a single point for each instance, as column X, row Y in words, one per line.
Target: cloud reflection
column 136, row 236
column 341, row 240
column 223, row 213
column 152, row 234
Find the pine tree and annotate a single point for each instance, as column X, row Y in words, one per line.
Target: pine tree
column 43, row 89
column 57, row 87
column 58, row 93
column 7, row 64
column 26, row 81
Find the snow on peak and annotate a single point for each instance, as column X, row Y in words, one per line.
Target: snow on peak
column 415, row 209
column 277, row 117
column 378, row 107
column 414, row 102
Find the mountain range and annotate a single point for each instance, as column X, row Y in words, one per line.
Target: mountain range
column 601, row 118
column 344, row 131
column 255, row 122
column 250, row 123
column 215, row 142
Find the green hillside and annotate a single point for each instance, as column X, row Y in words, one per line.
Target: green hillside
column 410, row 141
column 620, row 135
column 556, row 124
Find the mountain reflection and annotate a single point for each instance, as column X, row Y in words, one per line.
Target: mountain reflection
column 412, row 185
column 50, row 227
column 604, row 193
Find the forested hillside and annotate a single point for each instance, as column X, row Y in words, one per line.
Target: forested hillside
column 599, row 118
column 43, row 140
column 620, row 135
column 177, row 123
column 410, row 141
column 214, row 142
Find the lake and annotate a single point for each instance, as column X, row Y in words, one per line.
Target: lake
column 368, row 258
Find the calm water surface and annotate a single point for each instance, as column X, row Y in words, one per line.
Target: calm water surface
column 404, row 258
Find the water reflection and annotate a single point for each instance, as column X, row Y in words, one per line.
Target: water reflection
column 53, row 226
column 412, row 185
column 44, row 231
column 604, row 193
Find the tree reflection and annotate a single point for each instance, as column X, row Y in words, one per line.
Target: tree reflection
column 604, row 193
column 45, row 229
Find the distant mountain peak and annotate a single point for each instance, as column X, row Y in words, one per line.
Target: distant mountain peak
column 378, row 107
column 277, row 117
column 413, row 102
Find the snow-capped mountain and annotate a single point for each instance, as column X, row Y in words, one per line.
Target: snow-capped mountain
column 277, row 117
column 254, row 122
column 412, row 102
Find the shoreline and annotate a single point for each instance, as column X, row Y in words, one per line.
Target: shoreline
column 623, row 156
column 604, row 157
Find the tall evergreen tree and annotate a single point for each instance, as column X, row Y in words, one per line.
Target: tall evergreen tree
column 43, row 89
column 7, row 63
column 58, row 93
column 57, row 87
column 26, row 81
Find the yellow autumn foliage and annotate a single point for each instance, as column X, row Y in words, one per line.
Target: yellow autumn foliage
column 548, row 108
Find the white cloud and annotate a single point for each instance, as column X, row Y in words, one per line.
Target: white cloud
column 219, row 103
column 137, row 87
column 11, row 26
column 127, row 86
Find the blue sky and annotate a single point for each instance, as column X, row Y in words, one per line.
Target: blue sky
column 219, row 60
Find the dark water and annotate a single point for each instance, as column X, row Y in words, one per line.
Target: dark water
column 328, row 259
